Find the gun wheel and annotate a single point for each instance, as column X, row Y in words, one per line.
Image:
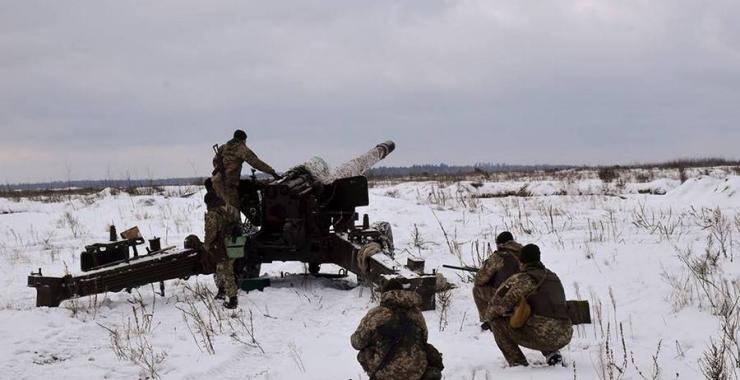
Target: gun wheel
column 251, row 270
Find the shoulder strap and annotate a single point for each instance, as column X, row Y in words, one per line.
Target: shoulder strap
column 539, row 283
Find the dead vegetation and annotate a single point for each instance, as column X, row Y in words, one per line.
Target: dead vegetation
column 46, row 196
column 444, row 300
column 664, row 223
column 712, row 288
column 521, row 192
column 132, row 340
column 206, row 319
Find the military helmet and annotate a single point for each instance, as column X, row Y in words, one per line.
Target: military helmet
column 240, row 135
column 504, row 237
column 529, row 254
column 392, row 284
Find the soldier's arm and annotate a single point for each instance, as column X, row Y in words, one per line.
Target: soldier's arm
column 490, row 266
column 368, row 326
column 509, row 293
column 251, row 158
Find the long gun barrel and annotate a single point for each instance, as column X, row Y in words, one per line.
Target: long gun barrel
column 467, row 269
column 361, row 164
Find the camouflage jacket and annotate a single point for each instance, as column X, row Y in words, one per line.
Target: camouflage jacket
column 496, row 262
column 508, row 294
column 217, row 220
column 409, row 360
column 525, row 284
column 234, row 153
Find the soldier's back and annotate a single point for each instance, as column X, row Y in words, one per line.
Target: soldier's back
column 392, row 338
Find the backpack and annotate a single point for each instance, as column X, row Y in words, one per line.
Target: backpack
column 398, row 327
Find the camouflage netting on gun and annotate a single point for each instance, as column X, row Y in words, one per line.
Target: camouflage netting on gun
column 361, row 164
column 364, row 254
column 319, row 170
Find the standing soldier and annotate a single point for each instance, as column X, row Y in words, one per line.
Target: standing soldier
column 392, row 338
column 227, row 167
column 496, row 269
column 219, row 217
column 548, row 328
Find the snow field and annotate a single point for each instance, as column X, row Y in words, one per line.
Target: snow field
column 622, row 252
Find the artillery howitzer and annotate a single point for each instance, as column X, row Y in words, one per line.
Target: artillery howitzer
column 309, row 216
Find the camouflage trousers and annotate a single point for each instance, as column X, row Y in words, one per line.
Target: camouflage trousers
column 482, row 296
column 230, row 194
column 546, row 335
column 225, row 278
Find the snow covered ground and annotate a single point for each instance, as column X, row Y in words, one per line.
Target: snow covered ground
column 630, row 254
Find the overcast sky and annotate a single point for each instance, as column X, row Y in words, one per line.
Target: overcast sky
column 143, row 89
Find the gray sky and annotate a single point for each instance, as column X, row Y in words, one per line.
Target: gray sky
column 111, row 89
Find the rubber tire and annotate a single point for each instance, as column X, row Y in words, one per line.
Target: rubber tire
column 252, row 270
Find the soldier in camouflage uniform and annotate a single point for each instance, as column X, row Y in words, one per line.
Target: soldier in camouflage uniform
column 392, row 338
column 496, row 269
column 548, row 329
column 228, row 167
column 219, row 216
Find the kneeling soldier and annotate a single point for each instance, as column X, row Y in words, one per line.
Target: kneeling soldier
column 392, row 338
column 496, row 269
column 548, row 328
column 219, row 216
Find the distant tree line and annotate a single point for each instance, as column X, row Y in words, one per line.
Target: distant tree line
column 689, row 163
column 428, row 170
column 444, row 169
column 482, row 168
column 101, row 184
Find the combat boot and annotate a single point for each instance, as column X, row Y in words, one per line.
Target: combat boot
column 554, row 358
column 221, row 294
column 232, row 303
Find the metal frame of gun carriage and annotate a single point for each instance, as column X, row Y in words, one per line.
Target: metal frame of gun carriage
column 309, row 216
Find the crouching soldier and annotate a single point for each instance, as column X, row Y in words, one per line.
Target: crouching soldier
column 392, row 338
column 219, row 217
column 496, row 269
column 548, row 327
